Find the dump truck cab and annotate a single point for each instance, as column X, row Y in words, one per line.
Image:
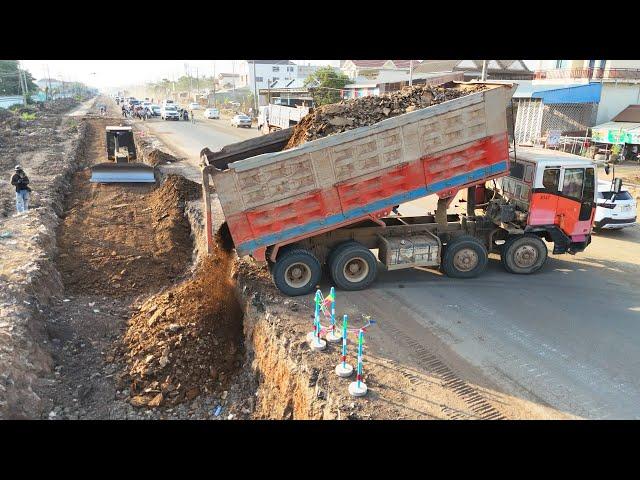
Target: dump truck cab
column 554, row 196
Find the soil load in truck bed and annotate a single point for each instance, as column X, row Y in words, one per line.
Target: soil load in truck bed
column 324, row 184
column 349, row 114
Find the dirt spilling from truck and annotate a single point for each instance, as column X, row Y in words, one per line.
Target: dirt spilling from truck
column 185, row 341
column 350, row 114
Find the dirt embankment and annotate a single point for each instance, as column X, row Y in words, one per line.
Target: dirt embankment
column 49, row 148
column 349, row 114
column 149, row 150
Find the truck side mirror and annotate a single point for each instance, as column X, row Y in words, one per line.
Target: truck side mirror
column 617, row 185
column 606, row 168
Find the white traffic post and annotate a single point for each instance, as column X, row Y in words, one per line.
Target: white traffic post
column 333, row 336
column 359, row 388
column 315, row 342
column 343, row 369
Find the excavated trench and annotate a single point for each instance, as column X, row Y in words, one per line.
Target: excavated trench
column 151, row 327
column 124, row 253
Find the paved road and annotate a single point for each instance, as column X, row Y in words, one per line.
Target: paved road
column 187, row 139
column 568, row 337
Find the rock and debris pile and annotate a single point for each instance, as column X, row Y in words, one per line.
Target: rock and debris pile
column 185, row 341
column 349, row 114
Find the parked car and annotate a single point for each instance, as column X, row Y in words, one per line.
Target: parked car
column 241, row 120
column 155, row 110
column 195, row 106
column 614, row 210
column 169, row 112
column 212, row 113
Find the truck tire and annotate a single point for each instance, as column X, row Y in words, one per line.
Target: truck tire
column 296, row 272
column 464, row 257
column 523, row 254
column 352, row 266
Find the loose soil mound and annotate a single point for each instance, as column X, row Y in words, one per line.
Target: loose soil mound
column 185, row 341
column 158, row 157
column 60, row 105
column 127, row 239
column 5, row 114
column 347, row 115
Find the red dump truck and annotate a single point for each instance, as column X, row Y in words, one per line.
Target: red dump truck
column 327, row 203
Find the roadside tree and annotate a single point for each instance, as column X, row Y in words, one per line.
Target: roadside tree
column 325, row 85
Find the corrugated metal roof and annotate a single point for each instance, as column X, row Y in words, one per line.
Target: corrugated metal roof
column 589, row 93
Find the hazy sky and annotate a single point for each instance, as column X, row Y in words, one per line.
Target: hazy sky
column 113, row 73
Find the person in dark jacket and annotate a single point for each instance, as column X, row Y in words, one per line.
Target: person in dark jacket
column 21, row 182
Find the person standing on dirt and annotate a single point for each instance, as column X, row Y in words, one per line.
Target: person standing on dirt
column 124, row 111
column 193, row 118
column 21, row 182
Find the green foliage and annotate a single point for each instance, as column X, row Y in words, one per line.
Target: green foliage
column 28, row 116
column 325, row 85
column 10, row 79
column 616, row 149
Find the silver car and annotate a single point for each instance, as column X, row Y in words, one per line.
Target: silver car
column 241, row 121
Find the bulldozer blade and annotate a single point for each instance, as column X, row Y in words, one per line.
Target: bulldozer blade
column 112, row 172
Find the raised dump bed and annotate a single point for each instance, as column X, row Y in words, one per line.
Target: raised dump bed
column 274, row 199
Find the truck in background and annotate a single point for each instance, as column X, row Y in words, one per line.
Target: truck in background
column 327, row 203
column 279, row 117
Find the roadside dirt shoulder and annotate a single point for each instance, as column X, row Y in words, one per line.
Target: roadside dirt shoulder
column 49, row 148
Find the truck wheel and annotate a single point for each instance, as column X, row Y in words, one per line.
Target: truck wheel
column 523, row 254
column 464, row 257
column 296, row 272
column 352, row 266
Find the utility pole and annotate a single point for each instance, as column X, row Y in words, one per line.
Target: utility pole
column 215, row 103
column 484, row 71
column 255, row 88
column 233, row 78
column 410, row 72
column 49, row 82
column 22, row 83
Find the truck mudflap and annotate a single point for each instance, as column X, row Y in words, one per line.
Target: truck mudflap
column 562, row 243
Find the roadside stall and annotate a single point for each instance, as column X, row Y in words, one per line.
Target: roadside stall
column 620, row 140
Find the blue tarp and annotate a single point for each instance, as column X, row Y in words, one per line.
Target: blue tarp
column 589, row 93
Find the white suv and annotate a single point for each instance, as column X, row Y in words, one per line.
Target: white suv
column 614, row 210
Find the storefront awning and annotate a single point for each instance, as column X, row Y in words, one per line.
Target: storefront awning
column 616, row 133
